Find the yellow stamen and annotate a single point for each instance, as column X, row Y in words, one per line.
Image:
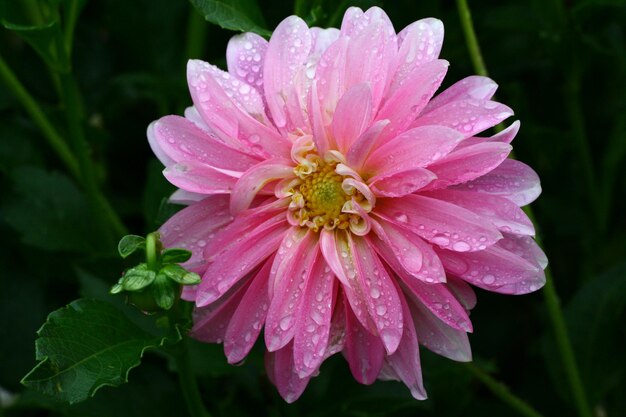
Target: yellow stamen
column 318, row 199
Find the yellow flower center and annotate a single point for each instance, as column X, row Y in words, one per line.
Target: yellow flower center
column 321, row 197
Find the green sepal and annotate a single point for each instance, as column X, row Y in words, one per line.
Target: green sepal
column 117, row 288
column 164, row 291
column 129, row 244
column 143, row 300
column 138, row 278
column 175, row 256
column 180, row 275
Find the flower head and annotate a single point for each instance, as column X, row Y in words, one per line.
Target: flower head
column 338, row 204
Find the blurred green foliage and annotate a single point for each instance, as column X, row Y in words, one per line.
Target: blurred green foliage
column 561, row 66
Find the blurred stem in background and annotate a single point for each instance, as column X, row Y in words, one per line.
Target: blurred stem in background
column 549, row 292
column 47, row 129
column 501, row 391
column 196, row 35
column 78, row 161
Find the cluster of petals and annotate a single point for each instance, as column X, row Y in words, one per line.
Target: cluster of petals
column 414, row 205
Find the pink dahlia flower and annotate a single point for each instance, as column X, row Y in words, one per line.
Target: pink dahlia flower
column 338, row 205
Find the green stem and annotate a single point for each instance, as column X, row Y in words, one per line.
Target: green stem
column 152, row 252
column 470, row 38
column 300, row 8
column 335, row 19
column 32, row 108
column 110, row 223
column 577, row 123
column 188, row 383
column 196, row 34
column 502, row 391
column 71, row 15
column 550, row 295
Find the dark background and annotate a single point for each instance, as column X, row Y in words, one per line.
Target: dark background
column 561, row 65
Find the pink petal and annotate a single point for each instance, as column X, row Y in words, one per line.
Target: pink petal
column 247, row 320
column 469, row 163
column 412, row 95
column 468, row 116
column 210, row 322
column 511, row 179
column 352, row 20
column 314, row 320
column 441, row 223
column 286, row 255
column 156, row 146
column 462, row 292
column 199, row 178
column 330, row 76
column 438, row 299
column 286, row 55
column 407, row 252
column 420, row 42
column 254, row 179
column 363, row 351
column 405, row 362
column 241, row 227
column 183, row 141
column 316, row 118
column 524, row 247
column 322, row 39
column 279, row 367
column 379, row 293
column 185, row 197
column 361, row 148
column 339, row 257
column 337, row 333
column 352, row 116
column 399, row 184
column 228, row 116
column 240, row 259
column 288, row 276
column 371, row 53
column 504, row 214
column 191, row 227
column 437, row 336
column 473, row 87
column 417, row 147
column 192, row 114
column 505, row 136
column 494, row 269
column 244, row 97
column 245, row 56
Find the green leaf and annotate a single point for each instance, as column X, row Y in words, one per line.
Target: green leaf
column 137, row 278
column 164, row 291
column 237, row 15
column 45, row 40
column 595, row 316
column 129, row 244
column 85, row 346
column 46, row 203
column 180, row 275
column 175, row 256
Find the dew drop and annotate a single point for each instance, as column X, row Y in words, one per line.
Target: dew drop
column 381, row 309
column 461, row 246
column 285, row 322
column 489, row 279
